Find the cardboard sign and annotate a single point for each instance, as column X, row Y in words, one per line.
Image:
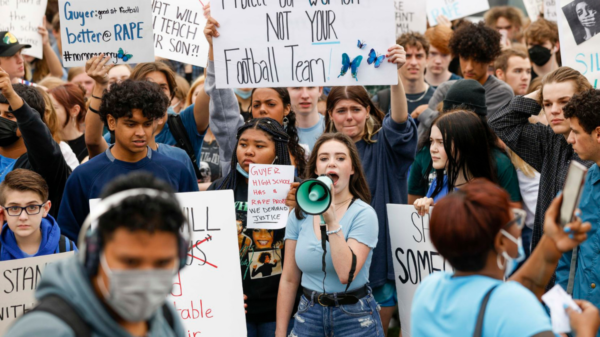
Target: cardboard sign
column 534, row 8
column 414, row 256
column 268, row 186
column 119, row 28
column 410, row 16
column 454, row 9
column 577, row 52
column 291, row 43
column 550, row 10
column 178, row 31
column 22, row 19
column 18, row 283
column 208, row 293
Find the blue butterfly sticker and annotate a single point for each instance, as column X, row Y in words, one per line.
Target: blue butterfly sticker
column 123, row 55
column 346, row 64
column 373, row 57
column 361, row 45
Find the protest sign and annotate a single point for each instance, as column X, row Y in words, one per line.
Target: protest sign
column 268, row 186
column 410, row 17
column 18, row 283
column 291, row 43
column 207, row 293
column 22, row 19
column 121, row 29
column 178, row 31
column 576, row 51
column 534, row 8
column 454, row 9
column 550, row 10
column 414, row 256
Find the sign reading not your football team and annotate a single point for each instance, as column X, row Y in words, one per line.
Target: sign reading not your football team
column 119, row 28
column 282, row 43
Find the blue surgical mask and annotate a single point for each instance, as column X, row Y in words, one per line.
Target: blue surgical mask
column 244, row 94
column 241, row 171
column 512, row 263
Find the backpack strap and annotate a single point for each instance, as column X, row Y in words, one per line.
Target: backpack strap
column 183, row 140
column 62, row 244
column 384, row 97
column 479, row 326
column 55, row 305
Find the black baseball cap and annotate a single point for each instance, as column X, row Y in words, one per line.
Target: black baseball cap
column 9, row 45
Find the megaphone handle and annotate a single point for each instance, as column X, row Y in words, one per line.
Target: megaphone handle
column 322, row 220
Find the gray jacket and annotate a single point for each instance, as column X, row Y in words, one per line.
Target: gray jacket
column 497, row 95
column 68, row 279
column 225, row 117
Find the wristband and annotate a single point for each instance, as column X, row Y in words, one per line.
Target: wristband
column 94, row 110
column 334, row 231
column 96, row 97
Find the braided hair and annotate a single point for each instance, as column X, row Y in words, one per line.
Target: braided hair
column 294, row 147
column 274, row 132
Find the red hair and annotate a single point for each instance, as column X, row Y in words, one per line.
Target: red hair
column 69, row 95
column 464, row 224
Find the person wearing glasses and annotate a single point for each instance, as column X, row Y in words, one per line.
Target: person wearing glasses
column 477, row 232
column 28, row 230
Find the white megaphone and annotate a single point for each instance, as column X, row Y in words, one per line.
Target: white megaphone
column 314, row 195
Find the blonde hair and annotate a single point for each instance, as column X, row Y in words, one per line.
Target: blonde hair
column 520, row 164
column 50, row 118
column 188, row 98
column 51, row 82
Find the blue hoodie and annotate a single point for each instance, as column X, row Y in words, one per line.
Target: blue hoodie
column 50, row 237
column 68, row 279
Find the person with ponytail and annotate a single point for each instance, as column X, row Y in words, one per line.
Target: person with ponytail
column 259, row 141
column 225, row 115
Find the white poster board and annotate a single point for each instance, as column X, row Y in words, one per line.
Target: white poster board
column 534, row 8
column 18, row 283
column 268, row 186
column 208, row 292
column 410, row 16
column 119, row 28
column 583, row 57
column 550, row 12
column 22, row 19
column 454, row 9
column 178, row 31
column 414, row 256
column 291, row 43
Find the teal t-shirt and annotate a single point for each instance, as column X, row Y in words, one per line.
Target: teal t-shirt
column 444, row 305
column 359, row 223
column 507, row 175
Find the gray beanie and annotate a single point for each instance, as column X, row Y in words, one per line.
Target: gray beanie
column 469, row 94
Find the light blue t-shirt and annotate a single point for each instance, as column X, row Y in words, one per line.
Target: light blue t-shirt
column 359, row 223
column 310, row 135
column 444, row 305
column 189, row 122
column 6, row 165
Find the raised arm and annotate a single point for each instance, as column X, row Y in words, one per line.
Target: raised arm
column 201, row 112
column 97, row 69
column 52, row 60
column 399, row 108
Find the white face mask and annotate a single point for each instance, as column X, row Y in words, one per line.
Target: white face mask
column 511, row 263
column 135, row 295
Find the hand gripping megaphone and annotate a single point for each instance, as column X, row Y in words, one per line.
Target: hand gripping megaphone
column 314, row 195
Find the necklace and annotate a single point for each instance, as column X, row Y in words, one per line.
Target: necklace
column 420, row 98
column 339, row 203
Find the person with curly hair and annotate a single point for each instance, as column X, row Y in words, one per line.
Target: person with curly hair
column 131, row 110
column 476, row 46
column 584, row 137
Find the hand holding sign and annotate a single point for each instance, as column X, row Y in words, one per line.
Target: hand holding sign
column 397, row 55
column 422, row 205
column 571, row 236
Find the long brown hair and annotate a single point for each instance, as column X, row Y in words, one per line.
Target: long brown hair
column 564, row 74
column 69, row 95
column 360, row 95
column 358, row 182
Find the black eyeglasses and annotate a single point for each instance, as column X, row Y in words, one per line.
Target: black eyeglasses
column 518, row 218
column 18, row 210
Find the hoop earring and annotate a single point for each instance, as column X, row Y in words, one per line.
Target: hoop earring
column 285, row 122
column 500, row 265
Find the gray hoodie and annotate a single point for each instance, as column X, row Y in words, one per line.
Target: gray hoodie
column 68, row 279
column 225, row 117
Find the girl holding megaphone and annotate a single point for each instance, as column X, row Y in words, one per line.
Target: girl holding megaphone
column 329, row 248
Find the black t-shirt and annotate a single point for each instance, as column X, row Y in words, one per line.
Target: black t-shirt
column 261, row 255
column 79, row 148
column 210, row 168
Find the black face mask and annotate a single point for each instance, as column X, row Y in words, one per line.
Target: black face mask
column 8, row 132
column 539, row 55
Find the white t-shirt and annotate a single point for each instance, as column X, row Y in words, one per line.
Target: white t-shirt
column 529, row 187
column 69, row 155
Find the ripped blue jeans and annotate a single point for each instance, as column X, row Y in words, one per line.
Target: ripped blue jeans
column 354, row 320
